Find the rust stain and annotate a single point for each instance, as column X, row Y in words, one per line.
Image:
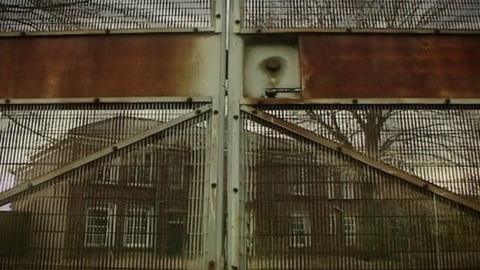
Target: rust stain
column 98, row 66
column 390, row 66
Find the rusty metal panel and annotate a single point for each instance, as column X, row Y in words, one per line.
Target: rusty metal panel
column 69, row 15
column 390, row 66
column 139, row 207
column 307, row 15
column 307, row 206
column 95, row 66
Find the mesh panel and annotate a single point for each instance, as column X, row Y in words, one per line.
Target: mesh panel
column 138, row 208
column 39, row 138
column 436, row 143
column 70, row 15
column 309, row 207
column 362, row 14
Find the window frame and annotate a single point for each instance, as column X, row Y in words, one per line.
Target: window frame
column 348, row 191
column 110, row 226
column 306, row 231
column 350, row 230
column 139, row 166
column 149, row 237
column 111, row 167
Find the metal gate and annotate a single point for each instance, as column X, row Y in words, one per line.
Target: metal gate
column 342, row 134
column 107, row 186
column 360, row 187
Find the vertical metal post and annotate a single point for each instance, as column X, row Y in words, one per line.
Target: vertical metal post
column 214, row 190
column 235, row 93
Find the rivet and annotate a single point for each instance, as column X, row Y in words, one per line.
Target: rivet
column 354, row 101
column 215, row 112
column 235, row 190
column 7, row 101
column 198, row 111
column 214, row 185
column 235, row 117
column 189, row 100
column 237, row 21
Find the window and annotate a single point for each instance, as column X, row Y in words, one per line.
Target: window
column 331, row 190
column 349, row 226
column 341, row 191
column 300, row 230
column 99, row 225
column 141, row 170
column 348, row 191
column 108, row 172
column 298, row 186
column 138, row 226
column 332, row 224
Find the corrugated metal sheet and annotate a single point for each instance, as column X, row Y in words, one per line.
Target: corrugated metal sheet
column 311, row 207
column 141, row 207
column 361, row 14
column 71, row 15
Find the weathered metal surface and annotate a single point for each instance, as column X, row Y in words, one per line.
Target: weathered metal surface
column 97, row 66
column 390, row 66
column 360, row 14
column 28, row 16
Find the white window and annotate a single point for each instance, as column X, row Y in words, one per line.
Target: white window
column 349, row 226
column 138, row 226
column 348, row 191
column 332, row 224
column 300, row 233
column 99, row 225
column 141, row 170
column 108, row 172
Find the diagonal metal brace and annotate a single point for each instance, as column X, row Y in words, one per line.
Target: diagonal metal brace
column 7, row 196
column 356, row 155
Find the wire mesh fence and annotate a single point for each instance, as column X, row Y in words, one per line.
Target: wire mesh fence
column 141, row 207
column 434, row 142
column 307, row 206
column 72, row 15
column 361, row 14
